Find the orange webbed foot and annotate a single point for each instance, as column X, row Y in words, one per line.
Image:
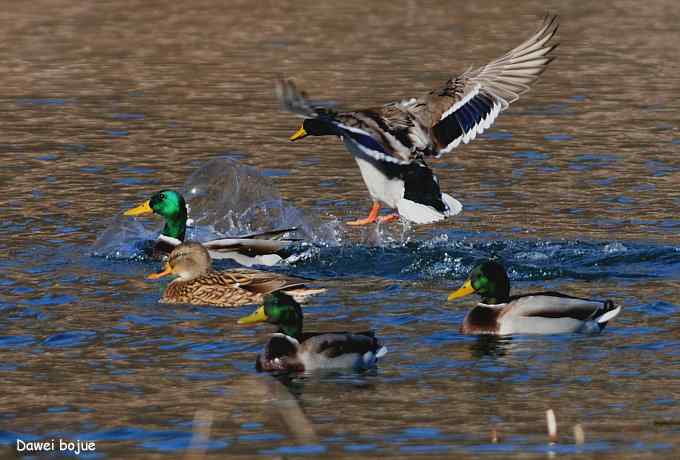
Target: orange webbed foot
column 388, row 218
column 359, row 222
column 372, row 216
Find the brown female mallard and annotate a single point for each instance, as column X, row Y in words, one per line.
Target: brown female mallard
column 198, row 284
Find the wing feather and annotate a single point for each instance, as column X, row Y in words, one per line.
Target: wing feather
column 335, row 344
column 260, row 282
column 496, row 85
column 556, row 305
column 295, row 101
column 436, row 123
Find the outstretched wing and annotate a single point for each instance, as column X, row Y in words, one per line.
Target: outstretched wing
column 468, row 104
column 295, row 101
column 367, row 134
column 436, row 123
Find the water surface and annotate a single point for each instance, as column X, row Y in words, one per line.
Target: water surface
column 575, row 188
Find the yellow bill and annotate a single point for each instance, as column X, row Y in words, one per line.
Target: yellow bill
column 465, row 289
column 257, row 316
column 299, row 134
column 166, row 271
column 144, row 208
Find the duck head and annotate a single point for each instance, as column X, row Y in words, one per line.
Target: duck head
column 186, row 262
column 280, row 309
column 168, row 204
column 315, row 127
column 489, row 280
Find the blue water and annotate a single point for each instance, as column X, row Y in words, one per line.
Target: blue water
column 110, row 335
column 575, row 189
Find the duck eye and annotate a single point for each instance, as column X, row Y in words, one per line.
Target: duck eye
column 162, row 196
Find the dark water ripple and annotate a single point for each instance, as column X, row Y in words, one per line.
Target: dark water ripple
column 452, row 258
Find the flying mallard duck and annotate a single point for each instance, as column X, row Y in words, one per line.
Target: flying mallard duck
column 196, row 283
column 290, row 349
column 264, row 248
column 390, row 143
column 538, row 313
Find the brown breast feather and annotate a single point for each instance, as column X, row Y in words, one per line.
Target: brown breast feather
column 481, row 320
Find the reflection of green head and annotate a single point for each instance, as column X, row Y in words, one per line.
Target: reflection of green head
column 171, row 206
column 281, row 309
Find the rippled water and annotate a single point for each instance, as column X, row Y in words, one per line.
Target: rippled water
column 575, row 188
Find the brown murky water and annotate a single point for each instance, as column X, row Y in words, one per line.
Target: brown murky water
column 104, row 103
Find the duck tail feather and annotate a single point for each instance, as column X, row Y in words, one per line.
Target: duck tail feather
column 370, row 358
column 418, row 213
column 611, row 313
column 453, row 206
column 382, row 351
column 421, row 213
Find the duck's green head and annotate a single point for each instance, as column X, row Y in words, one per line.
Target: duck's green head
column 489, row 280
column 169, row 204
column 315, row 127
column 281, row 309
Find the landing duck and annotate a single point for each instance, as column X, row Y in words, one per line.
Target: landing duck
column 390, row 143
column 499, row 313
column 263, row 248
column 197, row 283
column 292, row 350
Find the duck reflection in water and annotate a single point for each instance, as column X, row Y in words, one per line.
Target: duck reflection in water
column 491, row 345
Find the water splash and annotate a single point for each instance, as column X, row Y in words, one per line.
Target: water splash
column 235, row 199
column 225, row 199
column 125, row 238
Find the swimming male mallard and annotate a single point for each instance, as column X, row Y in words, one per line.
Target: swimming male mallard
column 390, row 143
column 290, row 349
column 264, row 248
column 499, row 313
column 196, row 283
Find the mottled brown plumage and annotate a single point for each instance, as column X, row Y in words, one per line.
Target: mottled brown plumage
column 198, row 284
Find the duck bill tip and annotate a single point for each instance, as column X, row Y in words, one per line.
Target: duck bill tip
column 257, row 316
column 166, row 271
column 299, row 134
column 142, row 209
column 465, row 289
